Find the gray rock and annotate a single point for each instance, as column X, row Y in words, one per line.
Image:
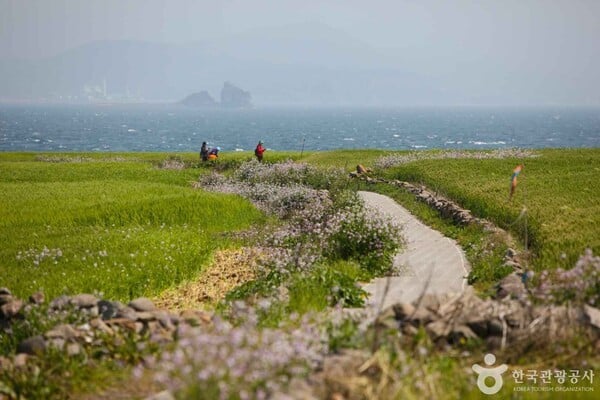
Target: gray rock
column 165, row 320
column 60, row 302
column 73, row 349
column 37, row 298
column 437, row 329
column 145, row 316
column 510, row 253
column 121, row 323
column 107, row 309
column 403, row 311
column 195, row 317
column 142, row 304
column 99, row 325
column 12, row 309
column 20, row 360
column 512, row 264
column 56, row 343
column 91, row 311
column 84, row 300
column 63, row 331
column 511, row 286
column 127, row 312
column 5, row 298
column 592, row 315
column 33, row 345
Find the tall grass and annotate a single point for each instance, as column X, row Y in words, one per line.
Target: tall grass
column 557, row 194
column 125, row 228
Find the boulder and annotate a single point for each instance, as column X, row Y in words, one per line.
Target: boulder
column 11, row 309
column 142, row 304
column 107, row 309
column 592, row 315
column 62, row 331
column 127, row 312
column 33, row 345
column 84, row 300
column 37, row 298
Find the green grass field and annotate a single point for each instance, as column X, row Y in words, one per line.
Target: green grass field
column 119, row 225
column 559, row 190
column 124, row 229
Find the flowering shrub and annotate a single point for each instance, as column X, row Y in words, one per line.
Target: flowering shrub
column 394, row 160
column 318, row 226
column 237, row 362
column 580, row 284
column 365, row 235
column 289, row 173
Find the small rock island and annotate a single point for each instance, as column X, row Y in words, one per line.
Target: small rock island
column 231, row 97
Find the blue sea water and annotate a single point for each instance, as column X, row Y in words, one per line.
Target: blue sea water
column 176, row 128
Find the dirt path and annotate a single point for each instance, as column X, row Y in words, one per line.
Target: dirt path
column 431, row 262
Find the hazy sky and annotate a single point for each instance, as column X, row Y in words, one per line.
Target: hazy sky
column 557, row 38
column 45, row 27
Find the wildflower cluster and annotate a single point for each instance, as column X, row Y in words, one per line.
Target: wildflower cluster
column 288, row 173
column 394, row 160
column 363, row 234
column 237, row 361
column 37, row 256
column 318, row 226
column 580, row 284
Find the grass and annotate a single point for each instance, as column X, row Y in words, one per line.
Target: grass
column 125, row 229
column 117, row 224
column 558, row 189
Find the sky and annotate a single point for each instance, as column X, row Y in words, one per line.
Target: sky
column 555, row 38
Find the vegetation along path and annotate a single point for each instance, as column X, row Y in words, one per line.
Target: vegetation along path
column 429, row 263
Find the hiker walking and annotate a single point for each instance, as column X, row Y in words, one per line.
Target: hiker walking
column 259, row 151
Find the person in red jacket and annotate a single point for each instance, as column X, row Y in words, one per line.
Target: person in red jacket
column 259, row 151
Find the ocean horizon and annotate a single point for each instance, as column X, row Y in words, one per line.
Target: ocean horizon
column 174, row 128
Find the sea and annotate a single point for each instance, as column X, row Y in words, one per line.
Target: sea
column 174, row 128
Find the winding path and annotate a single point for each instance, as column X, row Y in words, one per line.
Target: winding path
column 430, row 262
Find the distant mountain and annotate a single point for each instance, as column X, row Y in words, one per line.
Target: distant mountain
column 304, row 64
